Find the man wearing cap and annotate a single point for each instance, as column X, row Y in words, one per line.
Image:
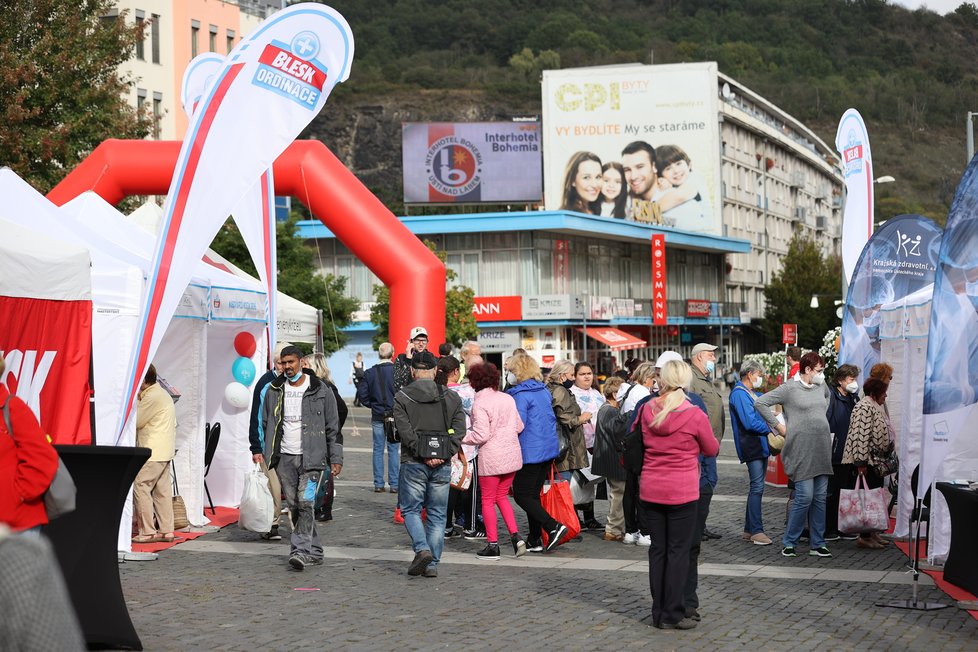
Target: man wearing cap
column 417, row 342
column 703, row 360
column 256, row 437
column 424, row 412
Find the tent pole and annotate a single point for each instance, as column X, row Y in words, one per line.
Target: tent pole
column 914, row 602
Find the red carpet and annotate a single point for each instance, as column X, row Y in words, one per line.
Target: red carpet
column 225, row 516
column 951, row 590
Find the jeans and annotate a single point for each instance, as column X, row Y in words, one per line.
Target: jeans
column 393, row 457
column 808, row 506
column 424, row 486
column 300, row 488
column 672, row 528
column 753, row 519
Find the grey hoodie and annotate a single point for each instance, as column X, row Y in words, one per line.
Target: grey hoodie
column 416, row 407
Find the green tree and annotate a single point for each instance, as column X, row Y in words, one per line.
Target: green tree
column 295, row 277
column 61, row 93
column 804, row 272
column 460, row 323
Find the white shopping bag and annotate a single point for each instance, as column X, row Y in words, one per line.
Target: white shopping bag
column 257, row 511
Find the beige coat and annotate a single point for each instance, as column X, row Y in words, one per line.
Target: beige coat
column 568, row 414
column 156, row 423
column 714, row 402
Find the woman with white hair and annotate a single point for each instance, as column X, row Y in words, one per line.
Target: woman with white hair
column 750, row 437
column 674, row 434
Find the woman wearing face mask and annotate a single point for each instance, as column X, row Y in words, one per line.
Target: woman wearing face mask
column 569, row 416
column 842, row 399
column 750, row 438
column 807, row 453
column 868, row 441
column 589, row 400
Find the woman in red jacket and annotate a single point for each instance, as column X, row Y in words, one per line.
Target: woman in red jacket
column 28, row 463
column 674, row 433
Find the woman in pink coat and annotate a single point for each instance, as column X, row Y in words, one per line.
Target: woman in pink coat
column 495, row 429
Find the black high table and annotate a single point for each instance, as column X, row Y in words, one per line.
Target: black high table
column 961, row 566
column 86, row 541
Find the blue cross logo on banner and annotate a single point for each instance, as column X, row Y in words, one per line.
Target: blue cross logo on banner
column 305, row 45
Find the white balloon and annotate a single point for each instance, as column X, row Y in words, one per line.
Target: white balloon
column 237, row 395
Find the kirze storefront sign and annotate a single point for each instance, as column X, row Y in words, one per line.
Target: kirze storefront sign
column 659, row 280
column 497, row 308
column 697, row 308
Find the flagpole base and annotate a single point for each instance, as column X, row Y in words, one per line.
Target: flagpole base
column 914, row 605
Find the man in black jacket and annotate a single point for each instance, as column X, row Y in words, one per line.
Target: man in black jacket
column 376, row 391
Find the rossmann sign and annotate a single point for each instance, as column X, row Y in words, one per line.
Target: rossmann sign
column 497, row 309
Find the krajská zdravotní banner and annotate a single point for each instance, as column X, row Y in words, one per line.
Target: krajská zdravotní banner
column 469, row 163
column 951, row 381
column 898, row 260
column 271, row 87
column 852, row 142
column 604, row 126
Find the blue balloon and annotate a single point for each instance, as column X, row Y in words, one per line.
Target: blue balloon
column 243, row 371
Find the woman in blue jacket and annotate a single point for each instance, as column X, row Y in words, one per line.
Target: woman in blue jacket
column 539, row 445
column 750, row 438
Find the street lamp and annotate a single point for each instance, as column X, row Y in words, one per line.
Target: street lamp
column 814, row 302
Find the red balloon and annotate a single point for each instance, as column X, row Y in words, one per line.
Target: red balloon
column 244, row 344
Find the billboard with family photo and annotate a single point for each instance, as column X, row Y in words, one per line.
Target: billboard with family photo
column 634, row 142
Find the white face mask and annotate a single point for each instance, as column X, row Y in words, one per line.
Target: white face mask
column 655, row 386
column 758, row 382
column 511, row 378
column 818, row 378
column 852, row 387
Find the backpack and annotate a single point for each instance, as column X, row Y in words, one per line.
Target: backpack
column 634, row 454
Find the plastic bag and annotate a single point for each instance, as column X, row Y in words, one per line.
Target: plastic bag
column 558, row 503
column 257, row 511
column 582, row 491
column 863, row 510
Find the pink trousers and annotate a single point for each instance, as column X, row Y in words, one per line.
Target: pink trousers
column 495, row 491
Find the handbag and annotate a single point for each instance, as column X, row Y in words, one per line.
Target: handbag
column 436, row 444
column 558, row 502
column 180, row 519
column 885, row 463
column 863, row 510
column 461, row 472
column 59, row 499
column 634, row 456
column 563, row 441
column 775, row 443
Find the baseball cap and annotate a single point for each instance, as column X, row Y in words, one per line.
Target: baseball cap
column 667, row 356
column 417, row 331
column 424, row 360
column 703, row 346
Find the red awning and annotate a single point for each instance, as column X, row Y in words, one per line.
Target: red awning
column 618, row 340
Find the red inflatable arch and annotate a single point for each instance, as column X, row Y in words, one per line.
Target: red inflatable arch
column 308, row 171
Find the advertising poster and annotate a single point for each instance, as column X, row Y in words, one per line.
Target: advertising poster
column 634, row 143
column 898, row 260
column 852, row 142
column 471, row 163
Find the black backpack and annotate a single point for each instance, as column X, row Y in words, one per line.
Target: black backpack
column 634, row 454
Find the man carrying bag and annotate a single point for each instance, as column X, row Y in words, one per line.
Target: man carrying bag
column 431, row 424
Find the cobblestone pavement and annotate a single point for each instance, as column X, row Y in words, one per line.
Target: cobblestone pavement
column 231, row 591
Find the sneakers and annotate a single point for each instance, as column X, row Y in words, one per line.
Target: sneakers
column 420, row 563
column 593, row 524
column 788, row 551
column 534, row 546
column 519, row 545
column 454, row 532
column 694, row 614
column 708, row 535
column 431, row 571
column 630, row 538
column 489, row 553
column 848, row 537
column 760, row 539
column 819, row 552
column 475, row 534
column 555, row 535
column 608, row 536
column 297, row 562
column 272, row 535
column 835, row 536
column 685, row 623
column 643, row 540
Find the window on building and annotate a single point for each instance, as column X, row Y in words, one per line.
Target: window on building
column 157, row 115
column 212, row 39
column 154, row 32
column 230, row 40
column 140, row 99
column 141, row 39
column 194, row 33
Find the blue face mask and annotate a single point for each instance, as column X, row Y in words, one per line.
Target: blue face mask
column 295, row 378
column 710, row 366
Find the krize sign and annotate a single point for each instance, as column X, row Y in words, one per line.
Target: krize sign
column 659, row 280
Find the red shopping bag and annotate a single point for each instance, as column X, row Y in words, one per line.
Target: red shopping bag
column 557, row 502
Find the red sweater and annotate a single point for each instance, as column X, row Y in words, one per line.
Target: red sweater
column 671, row 468
column 28, row 463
